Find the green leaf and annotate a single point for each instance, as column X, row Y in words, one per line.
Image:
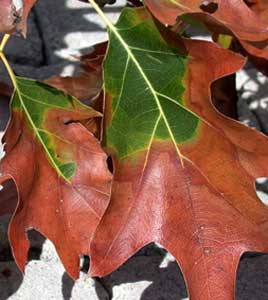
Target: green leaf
column 145, row 80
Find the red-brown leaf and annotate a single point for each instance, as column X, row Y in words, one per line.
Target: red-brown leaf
column 204, row 211
column 251, row 29
column 22, row 25
column 88, row 86
column 259, row 50
column 66, row 212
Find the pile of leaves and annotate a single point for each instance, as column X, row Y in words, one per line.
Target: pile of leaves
column 151, row 159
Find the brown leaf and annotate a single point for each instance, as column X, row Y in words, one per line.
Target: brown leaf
column 65, row 211
column 88, row 84
column 22, row 25
column 201, row 206
column 260, row 7
column 259, row 63
column 87, row 87
column 220, row 16
column 84, row 87
column 258, row 51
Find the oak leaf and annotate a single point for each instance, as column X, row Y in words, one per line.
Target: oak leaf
column 59, row 169
column 183, row 173
column 258, row 52
column 87, row 86
column 251, row 29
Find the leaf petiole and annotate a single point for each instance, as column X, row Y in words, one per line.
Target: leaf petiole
column 4, row 42
column 101, row 14
column 5, row 61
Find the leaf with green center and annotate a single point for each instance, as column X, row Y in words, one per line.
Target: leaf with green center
column 183, row 172
column 157, row 105
column 59, row 169
column 38, row 115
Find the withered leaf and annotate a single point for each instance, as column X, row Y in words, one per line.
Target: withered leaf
column 183, row 173
column 87, row 86
column 221, row 16
column 89, row 83
column 59, row 169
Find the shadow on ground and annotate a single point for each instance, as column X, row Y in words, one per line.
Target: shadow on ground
column 149, row 275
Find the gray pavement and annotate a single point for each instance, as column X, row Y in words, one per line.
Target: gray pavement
column 59, row 30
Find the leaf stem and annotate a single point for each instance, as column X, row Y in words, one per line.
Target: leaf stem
column 5, row 61
column 4, row 42
column 9, row 70
column 101, row 14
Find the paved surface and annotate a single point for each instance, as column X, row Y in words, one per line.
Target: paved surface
column 58, row 30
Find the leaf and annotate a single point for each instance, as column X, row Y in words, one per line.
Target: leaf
column 260, row 7
column 183, row 173
column 13, row 20
column 59, row 169
column 88, row 86
column 251, row 30
column 258, row 51
column 89, row 83
column 22, row 25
